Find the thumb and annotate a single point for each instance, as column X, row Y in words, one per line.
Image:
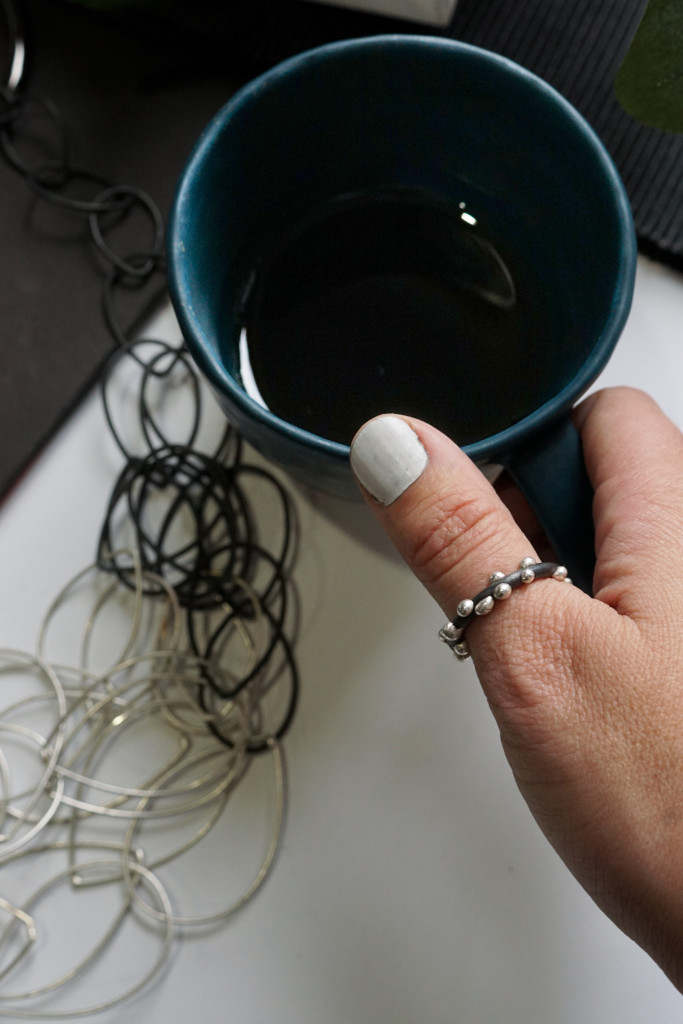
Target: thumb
column 438, row 508
column 538, row 654
column 454, row 531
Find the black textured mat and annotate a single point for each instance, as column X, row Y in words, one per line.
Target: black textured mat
column 578, row 48
column 137, row 91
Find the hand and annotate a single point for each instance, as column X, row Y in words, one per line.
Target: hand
column 587, row 692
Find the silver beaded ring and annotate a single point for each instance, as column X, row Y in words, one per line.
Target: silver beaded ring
column 499, row 588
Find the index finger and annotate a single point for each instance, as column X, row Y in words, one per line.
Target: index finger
column 634, row 458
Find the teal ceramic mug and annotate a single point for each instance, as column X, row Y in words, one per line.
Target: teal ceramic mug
column 406, row 224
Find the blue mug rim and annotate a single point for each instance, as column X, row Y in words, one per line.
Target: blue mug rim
column 495, row 444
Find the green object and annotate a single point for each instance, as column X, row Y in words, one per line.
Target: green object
column 649, row 83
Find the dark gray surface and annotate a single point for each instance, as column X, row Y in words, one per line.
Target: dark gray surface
column 135, row 105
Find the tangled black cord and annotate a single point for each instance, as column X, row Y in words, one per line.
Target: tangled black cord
column 190, row 514
column 195, row 524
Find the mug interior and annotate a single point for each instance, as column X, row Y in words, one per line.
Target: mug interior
column 410, row 113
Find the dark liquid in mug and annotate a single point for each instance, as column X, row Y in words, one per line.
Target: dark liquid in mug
column 397, row 302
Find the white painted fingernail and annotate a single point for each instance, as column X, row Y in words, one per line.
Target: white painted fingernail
column 387, row 456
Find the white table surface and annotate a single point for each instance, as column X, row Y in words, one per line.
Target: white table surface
column 412, row 884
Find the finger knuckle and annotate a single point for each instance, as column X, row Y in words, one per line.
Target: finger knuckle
column 450, row 531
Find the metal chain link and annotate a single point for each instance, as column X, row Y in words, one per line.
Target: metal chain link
column 35, row 143
column 218, row 573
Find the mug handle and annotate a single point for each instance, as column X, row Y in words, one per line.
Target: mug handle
column 549, row 470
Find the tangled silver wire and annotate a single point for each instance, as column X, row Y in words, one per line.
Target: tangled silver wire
column 116, row 766
column 72, row 731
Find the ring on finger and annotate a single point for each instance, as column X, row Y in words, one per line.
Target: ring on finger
column 499, row 588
